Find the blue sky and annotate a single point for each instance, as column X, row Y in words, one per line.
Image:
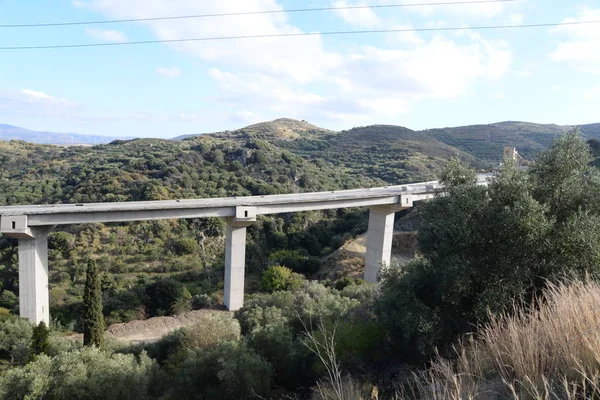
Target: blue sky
column 417, row 80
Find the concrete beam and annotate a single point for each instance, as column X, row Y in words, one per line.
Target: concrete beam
column 34, row 303
column 16, row 227
column 379, row 241
column 235, row 262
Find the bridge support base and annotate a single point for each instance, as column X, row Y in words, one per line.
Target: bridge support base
column 235, row 264
column 379, row 241
column 34, row 303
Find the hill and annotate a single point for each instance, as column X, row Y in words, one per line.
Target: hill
column 10, row 132
column 185, row 254
column 282, row 156
column 282, row 128
column 397, row 154
column 391, row 153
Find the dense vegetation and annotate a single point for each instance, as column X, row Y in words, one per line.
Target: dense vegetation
column 187, row 254
column 482, row 252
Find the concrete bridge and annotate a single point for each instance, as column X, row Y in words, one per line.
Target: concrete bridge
column 31, row 225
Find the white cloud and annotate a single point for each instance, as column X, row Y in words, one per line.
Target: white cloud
column 517, row 19
column 581, row 48
column 364, row 17
column 107, row 35
column 301, row 77
column 498, row 96
column 592, row 93
column 169, row 72
column 41, row 98
column 471, row 10
column 34, row 103
column 524, row 74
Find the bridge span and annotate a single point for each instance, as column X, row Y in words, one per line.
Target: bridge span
column 31, row 225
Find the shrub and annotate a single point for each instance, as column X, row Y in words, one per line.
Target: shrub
column 276, row 278
column 184, row 246
column 8, row 300
column 15, row 339
column 84, row 374
column 312, row 301
column 227, row 371
column 39, row 340
column 183, row 303
column 292, row 362
column 212, row 328
column 163, row 295
column 30, row 382
column 63, row 242
column 201, row 301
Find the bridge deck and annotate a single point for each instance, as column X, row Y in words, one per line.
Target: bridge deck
column 59, row 214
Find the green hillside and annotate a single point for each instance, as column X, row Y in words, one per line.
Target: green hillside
column 282, row 156
column 137, row 255
column 391, row 153
column 487, row 142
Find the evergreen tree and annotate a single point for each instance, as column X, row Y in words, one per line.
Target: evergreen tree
column 39, row 340
column 93, row 321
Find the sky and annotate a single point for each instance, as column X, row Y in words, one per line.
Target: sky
column 418, row 80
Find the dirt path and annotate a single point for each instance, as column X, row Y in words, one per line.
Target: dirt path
column 153, row 329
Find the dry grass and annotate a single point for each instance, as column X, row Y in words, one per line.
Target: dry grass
column 550, row 353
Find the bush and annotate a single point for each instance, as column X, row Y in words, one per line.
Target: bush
column 185, row 246
column 276, row 278
column 63, row 242
column 201, row 301
column 227, row 371
column 39, row 340
column 15, row 339
column 8, row 300
column 292, row 362
column 312, row 301
column 84, row 374
column 163, row 296
column 212, row 328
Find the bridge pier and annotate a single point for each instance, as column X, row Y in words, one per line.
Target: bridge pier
column 235, row 256
column 235, row 265
column 380, row 236
column 34, row 299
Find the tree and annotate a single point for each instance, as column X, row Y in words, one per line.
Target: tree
column 39, row 340
column 276, row 278
column 564, row 177
column 457, row 173
column 93, row 320
column 485, row 248
column 164, row 296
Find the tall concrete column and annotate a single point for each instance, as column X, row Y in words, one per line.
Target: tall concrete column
column 235, row 256
column 34, row 303
column 379, row 241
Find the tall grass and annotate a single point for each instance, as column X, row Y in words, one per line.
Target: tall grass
column 549, row 351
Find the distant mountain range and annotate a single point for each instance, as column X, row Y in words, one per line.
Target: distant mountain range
column 481, row 144
column 10, row 132
column 398, row 154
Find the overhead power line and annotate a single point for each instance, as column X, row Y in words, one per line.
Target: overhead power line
column 286, row 35
column 297, row 10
